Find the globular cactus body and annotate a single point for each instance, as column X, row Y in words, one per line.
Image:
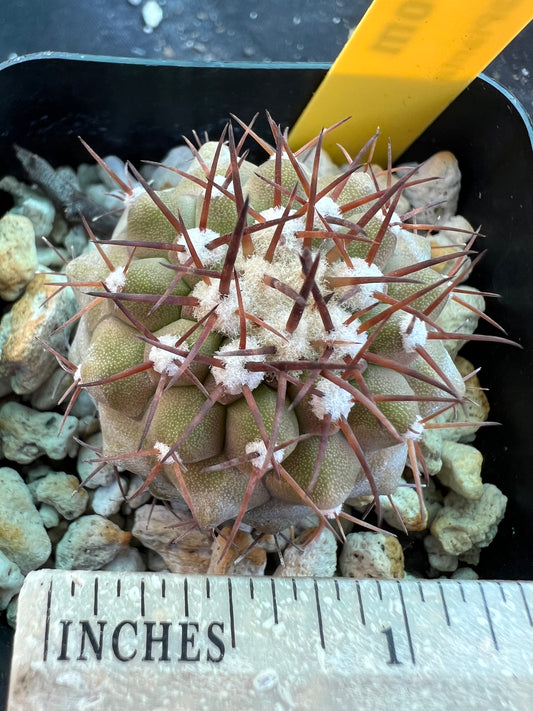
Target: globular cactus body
column 261, row 341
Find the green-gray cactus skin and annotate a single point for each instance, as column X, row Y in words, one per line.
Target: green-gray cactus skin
column 261, row 341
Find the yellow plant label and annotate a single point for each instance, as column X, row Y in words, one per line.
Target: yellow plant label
column 402, row 66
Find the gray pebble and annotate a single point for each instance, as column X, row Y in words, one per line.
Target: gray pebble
column 11, row 580
column 18, row 256
column 89, row 543
column 23, row 538
column 49, row 516
column 35, row 316
column 27, row 434
column 84, row 467
column 61, row 491
column 126, row 560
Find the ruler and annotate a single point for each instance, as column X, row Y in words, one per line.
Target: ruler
column 103, row 640
column 404, row 63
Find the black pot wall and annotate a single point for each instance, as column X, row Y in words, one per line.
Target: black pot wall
column 138, row 110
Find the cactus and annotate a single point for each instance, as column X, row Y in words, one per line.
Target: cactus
column 262, row 342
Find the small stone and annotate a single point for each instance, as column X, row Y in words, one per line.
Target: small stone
column 444, row 191
column 371, row 555
column 135, row 483
column 11, row 611
column 438, row 558
column 32, row 204
column 316, row 558
column 89, row 543
column 156, row 527
column 23, row 538
column 406, row 508
column 179, row 157
column 234, row 562
column 31, row 321
column 463, row 524
column 457, row 318
column 27, row 434
column 465, row 574
column 107, row 500
column 474, row 409
column 63, row 492
column 18, row 255
column 127, row 560
column 152, row 14
column 49, row 516
column 461, row 469
column 47, row 395
column 11, row 580
column 85, row 468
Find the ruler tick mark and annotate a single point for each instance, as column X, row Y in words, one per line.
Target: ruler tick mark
column 163, row 588
column 118, row 588
column 319, row 616
column 360, row 599
column 274, row 601
column 207, row 588
column 528, row 611
column 421, row 591
column 461, row 588
column 489, row 618
column 251, row 589
column 407, row 628
column 47, row 621
column 95, row 597
column 231, row 614
column 72, row 589
column 294, row 589
column 444, row 604
column 142, row 598
column 502, row 592
column 379, row 590
column 337, row 589
column 186, row 597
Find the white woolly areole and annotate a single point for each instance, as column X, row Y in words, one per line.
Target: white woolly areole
column 116, row 280
column 220, row 180
column 162, row 450
column 358, row 296
column 259, row 448
column 200, row 239
column 416, row 430
column 164, row 361
column 234, row 375
column 290, row 228
column 332, row 513
column 413, row 331
column 336, row 401
column 77, row 374
column 327, row 207
column 227, row 307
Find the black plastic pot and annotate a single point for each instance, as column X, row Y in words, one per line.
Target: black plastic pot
column 138, row 109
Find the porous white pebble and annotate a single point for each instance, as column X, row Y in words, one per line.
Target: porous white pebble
column 461, row 469
column 318, row 558
column 463, row 524
column 371, row 555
